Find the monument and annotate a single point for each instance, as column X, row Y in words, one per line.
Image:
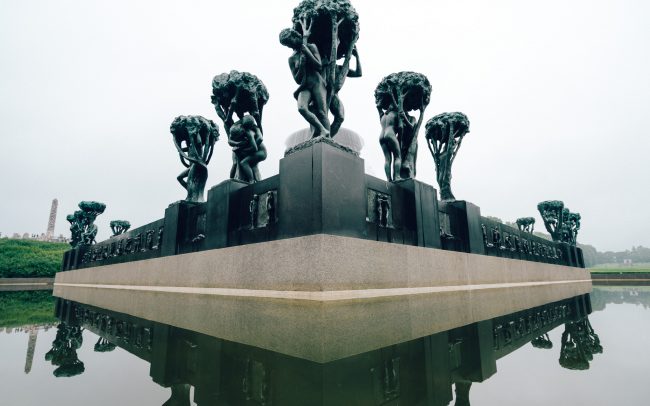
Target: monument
column 49, row 235
column 322, row 33
column 395, row 96
column 245, row 95
column 321, row 241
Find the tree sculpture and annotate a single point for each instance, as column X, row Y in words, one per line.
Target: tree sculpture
column 82, row 223
column 194, row 138
column 119, row 227
column 444, row 134
column 572, row 226
column 543, row 342
column 552, row 212
column 396, row 95
column 323, row 32
column 103, row 345
column 526, row 224
column 245, row 95
column 579, row 344
column 63, row 353
column 76, row 227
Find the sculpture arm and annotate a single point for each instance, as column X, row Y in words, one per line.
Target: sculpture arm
column 357, row 72
column 312, row 56
column 457, row 145
column 405, row 120
column 250, row 135
column 209, row 149
column 182, row 153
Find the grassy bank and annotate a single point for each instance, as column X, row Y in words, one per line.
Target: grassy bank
column 30, row 259
column 618, row 270
column 26, row 307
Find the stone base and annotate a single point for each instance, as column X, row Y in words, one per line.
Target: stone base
column 322, row 263
column 322, row 297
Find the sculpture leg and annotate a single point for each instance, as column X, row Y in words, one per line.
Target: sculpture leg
column 390, row 146
column 181, row 178
column 246, row 171
column 254, row 159
column 233, row 169
column 336, row 107
column 196, row 179
column 314, row 119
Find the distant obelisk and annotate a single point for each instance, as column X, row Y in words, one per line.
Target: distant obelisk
column 31, row 346
column 50, row 224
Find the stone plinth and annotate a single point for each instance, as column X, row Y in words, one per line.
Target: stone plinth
column 306, row 293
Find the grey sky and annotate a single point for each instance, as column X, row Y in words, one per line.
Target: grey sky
column 557, row 92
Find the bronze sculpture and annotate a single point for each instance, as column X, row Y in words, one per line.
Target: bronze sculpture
column 526, row 224
column 444, row 134
column 194, row 138
column 119, row 226
column 323, row 32
column 552, row 212
column 242, row 94
column 82, row 223
column 560, row 222
column 396, row 95
column 579, row 344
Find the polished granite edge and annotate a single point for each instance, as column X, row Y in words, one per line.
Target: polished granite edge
column 322, row 296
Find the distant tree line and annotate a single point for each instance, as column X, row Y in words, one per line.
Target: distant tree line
column 30, row 258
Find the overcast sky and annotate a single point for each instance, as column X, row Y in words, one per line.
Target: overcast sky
column 557, row 92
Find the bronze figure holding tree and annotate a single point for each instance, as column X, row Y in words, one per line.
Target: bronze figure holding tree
column 323, row 32
column 194, row 138
column 244, row 95
column 444, row 134
column 396, row 95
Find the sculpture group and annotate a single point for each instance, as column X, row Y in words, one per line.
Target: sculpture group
column 561, row 224
column 323, row 39
column 82, row 223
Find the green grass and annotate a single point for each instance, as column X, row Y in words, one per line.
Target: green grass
column 620, row 270
column 23, row 308
column 30, row 259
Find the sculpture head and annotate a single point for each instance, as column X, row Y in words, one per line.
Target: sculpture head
column 290, row 38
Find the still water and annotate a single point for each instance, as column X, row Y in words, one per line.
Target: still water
column 587, row 350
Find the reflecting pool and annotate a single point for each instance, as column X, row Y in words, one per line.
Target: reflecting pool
column 589, row 349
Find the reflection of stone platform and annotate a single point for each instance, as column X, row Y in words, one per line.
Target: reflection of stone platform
column 300, row 325
column 306, row 293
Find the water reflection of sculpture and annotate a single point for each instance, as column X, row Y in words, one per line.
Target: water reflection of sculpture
column 103, row 345
column 396, row 95
column 82, row 223
column 64, row 351
column 323, row 32
column 579, row 344
column 245, row 95
column 542, row 341
column 194, row 138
